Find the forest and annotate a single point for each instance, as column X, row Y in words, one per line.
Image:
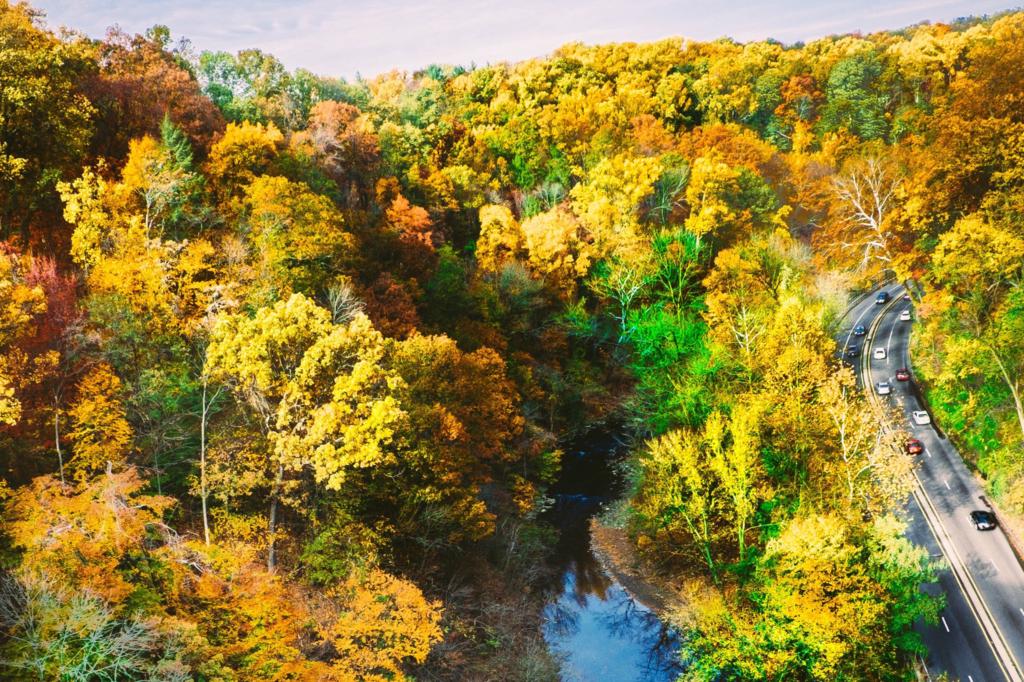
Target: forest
column 288, row 362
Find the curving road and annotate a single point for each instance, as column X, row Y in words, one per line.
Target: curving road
column 980, row 637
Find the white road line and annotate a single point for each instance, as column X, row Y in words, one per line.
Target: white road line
column 888, row 343
column 928, row 453
column 947, row 484
column 1021, row 611
column 970, row 679
column 855, row 323
column 994, row 567
column 945, row 624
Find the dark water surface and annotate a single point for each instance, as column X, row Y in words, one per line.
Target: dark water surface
column 592, row 625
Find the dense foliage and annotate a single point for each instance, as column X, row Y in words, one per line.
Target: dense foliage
column 285, row 360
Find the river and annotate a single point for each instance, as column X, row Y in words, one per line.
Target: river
column 592, row 625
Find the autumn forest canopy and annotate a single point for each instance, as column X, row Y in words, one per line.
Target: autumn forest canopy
column 287, row 363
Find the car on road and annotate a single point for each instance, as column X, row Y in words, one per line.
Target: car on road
column 914, row 447
column 903, row 374
column 859, row 330
column 883, row 297
column 906, row 297
column 920, row 417
column 852, row 351
column 905, row 316
column 883, row 388
column 879, row 354
column 983, row 520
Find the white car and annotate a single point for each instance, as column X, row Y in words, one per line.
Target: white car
column 879, row 354
column 883, row 388
column 920, row 417
column 905, row 316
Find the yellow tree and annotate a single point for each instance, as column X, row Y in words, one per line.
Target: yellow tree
column 740, row 301
column 153, row 179
column 18, row 304
column 735, row 458
column 608, row 203
column 85, row 207
column 244, row 152
column 500, row 239
column 382, row 623
column 100, row 433
column 299, row 235
column 339, row 410
column 821, row 590
column 702, row 480
column 557, row 249
column 677, row 490
column 713, row 183
column 78, row 537
column 325, row 400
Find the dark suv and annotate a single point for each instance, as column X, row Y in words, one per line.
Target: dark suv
column 883, row 297
column 983, row 520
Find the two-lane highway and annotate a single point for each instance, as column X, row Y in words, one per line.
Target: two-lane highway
column 980, row 636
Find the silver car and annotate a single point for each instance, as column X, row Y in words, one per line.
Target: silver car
column 920, row 417
column 883, row 388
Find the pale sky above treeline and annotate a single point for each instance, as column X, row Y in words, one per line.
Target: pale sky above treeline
column 349, row 37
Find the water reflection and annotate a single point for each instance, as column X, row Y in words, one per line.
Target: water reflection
column 592, row 624
column 609, row 638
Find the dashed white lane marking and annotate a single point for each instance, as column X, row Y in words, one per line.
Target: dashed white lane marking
column 970, row 679
column 994, row 567
column 945, row 624
column 928, row 452
column 888, row 343
column 947, row 484
column 1021, row 611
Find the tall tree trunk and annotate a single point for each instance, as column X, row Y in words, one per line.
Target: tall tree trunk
column 203, row 494
column 56, row 438
column 1014, row 387
column 272, row 521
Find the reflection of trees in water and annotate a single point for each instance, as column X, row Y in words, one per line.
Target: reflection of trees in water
column 589, row 579
column 624, row 619
column 561, row 620
column 573, row 555
column 627, row 626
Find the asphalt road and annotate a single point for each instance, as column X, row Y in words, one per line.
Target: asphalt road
column 980, row 637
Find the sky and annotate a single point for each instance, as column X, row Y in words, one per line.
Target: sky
column 368, row 37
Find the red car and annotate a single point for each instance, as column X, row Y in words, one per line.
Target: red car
column 903, row 374
column 914, row 447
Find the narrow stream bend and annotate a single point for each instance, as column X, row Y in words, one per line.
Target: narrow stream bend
column 592, row 625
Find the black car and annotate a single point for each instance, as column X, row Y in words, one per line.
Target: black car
column 883, row 297
column 983, row 520
column 859, row 330
column 852, row 351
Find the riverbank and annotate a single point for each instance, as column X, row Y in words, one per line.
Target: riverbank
column 617, row 555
